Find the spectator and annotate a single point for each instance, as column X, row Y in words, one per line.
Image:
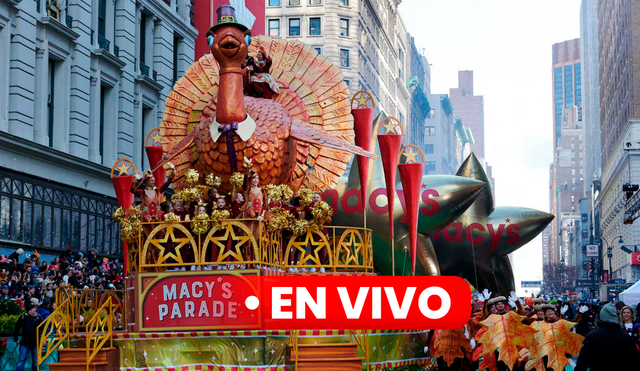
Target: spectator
column 608, row 347
column 27, row 326
column 15, row 256
column 4, row 292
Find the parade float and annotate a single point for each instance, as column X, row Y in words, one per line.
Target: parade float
column 264, row 124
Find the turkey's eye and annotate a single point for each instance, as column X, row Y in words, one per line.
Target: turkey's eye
column 210, row 40
column 247, row 38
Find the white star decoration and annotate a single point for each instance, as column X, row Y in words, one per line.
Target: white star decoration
column 147, row 318
column 184, row 343
column 255, row 350
column 145, row 354
column 156, row 358
column 273, row 351
column 219, row 279
column 245, row 360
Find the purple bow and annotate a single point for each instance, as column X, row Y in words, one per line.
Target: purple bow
column 228, row 129
column 225, row 128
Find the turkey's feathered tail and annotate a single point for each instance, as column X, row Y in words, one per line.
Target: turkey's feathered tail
column 312, row 90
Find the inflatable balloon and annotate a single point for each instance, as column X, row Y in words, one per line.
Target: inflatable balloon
column 476, row 245
column 443, row 198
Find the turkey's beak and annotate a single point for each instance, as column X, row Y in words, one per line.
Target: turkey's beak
column 229, row 46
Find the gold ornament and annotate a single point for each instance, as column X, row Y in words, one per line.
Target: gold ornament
column 322, row 213
column 285, row 192
column 191, row 178
column 213, row 181
column 171, row 217
column 281, row 220
column 218, row 216
column 306, row 197
column 237, row 179
column 118, row 214
column 300, row 227
column 200, row 224
column 273, row 192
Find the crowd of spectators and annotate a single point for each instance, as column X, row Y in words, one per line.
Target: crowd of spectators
column 28, row 279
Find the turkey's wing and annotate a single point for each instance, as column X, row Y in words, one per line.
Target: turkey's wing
column 305, row 132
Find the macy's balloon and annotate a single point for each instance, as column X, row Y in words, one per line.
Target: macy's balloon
column 475, row 246
column 443, row 198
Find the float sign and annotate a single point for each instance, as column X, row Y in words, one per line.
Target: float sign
column 189, row 300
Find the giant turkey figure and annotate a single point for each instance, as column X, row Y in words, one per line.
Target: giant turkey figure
column 301, row 137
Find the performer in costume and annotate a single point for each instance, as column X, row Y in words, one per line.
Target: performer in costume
column 151, row 196
column 261, row 83
column 255, row 205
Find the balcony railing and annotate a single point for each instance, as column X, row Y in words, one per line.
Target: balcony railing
column 103, row 43
column 144, row 69
column 247, row 244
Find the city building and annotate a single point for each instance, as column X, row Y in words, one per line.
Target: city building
column 366, row 38
column 464, row 140
column 567, row 171
column 591, row 113
column 470, row 108
column 419, row 87
column 619, row 64
column 81, row 86
column 443, row 145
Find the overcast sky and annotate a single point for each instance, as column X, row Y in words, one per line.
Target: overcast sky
column 507, row 43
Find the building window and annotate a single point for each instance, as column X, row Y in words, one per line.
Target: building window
column 315, row 27
column 44, row 215
column 274, row 2
column 192, row 13
column 431, row 131
column 143, row 38
column 344, row 57
column 315, row 2
column 344, row 27
column 176, row 45
column 568, row 86
column 344, row 2
column 294, row 2
column 274, row 27
column 432, row 114
column 103, row 99
column 430, row 166
column 318, row 49
column 102, row 18
column 294, row 26
column 428, row 149
column 51, row 100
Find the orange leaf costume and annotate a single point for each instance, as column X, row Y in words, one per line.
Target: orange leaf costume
column 451, row 344
column 555, row 340
column 508, row 333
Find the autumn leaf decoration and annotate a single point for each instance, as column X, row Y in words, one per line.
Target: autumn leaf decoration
column 506, row 332
column 449, row 344
column 489, row 361
column 555, row 341
column 531, row 364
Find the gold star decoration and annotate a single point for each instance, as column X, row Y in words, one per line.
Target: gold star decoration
column 230, row 234
column 411, row 155
column 123, row 168
column 157, row 138
column 170, row 236
column 362, row 101
column 350, row 246
column 391, row 125
column 310, row 241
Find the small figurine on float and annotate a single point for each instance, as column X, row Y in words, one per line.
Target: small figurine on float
column 151, row 196
column 258, row 80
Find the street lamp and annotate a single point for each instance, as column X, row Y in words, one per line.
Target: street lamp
column 609, row 248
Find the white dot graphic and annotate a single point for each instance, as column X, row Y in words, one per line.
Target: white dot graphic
column 252, row 302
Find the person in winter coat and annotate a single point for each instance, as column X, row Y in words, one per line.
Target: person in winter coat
column 627, row 322
column 608, row 347
column 27, row 326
